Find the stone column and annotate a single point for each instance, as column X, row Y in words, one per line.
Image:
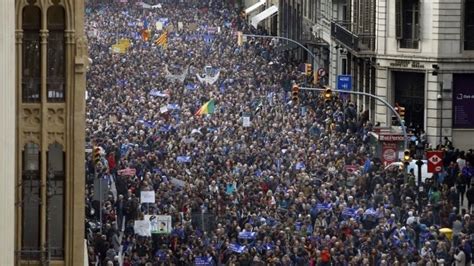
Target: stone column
column 7, row 135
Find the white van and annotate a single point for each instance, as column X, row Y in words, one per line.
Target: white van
column 414, row 166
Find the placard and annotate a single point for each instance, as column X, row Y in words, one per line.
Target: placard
column 147, row 196
column 159, row 224
column 246, row 121
column 142, row 227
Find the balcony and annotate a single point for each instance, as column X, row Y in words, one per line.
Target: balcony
column 359, row 43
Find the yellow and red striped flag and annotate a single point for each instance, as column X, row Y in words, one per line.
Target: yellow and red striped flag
column 162, row 40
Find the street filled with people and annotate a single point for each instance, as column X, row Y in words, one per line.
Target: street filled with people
column 206, row 158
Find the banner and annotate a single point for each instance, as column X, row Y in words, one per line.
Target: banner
column 127, row 172
column 389, row 152
column 159, row 224
column 247, row 235
column 435, row 161
column 147, row 196
column 203, row 261
column 142, row 227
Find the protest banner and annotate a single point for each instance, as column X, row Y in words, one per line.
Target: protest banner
column 127, row 172
column 159, row 224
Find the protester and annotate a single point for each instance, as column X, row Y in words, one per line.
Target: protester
column 247, row 175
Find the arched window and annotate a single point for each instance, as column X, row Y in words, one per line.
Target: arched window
column 30, row 244
column 31, row 54
column 55, row 211
column 56, row 75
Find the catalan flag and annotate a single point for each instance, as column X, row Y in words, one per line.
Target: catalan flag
column 207, row 108
column 162, row 40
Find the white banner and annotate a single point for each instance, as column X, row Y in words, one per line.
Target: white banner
column 147, row 197
column 159, row 224
column 142, row 227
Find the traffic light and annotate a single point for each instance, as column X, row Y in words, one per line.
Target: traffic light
column 435, row 70
column 316, row 78
column 308, row 69
column 295, row 93
column 96, row 155
column 401, row 112
column 406, row 156
column 327, row 94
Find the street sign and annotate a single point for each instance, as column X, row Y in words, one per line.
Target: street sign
column 321, row 72
column 435, row 161
column 344, row 82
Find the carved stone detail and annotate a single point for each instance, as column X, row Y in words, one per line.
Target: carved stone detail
column 81, row 46
column 56, row 116
column 31, row 117
column 30, row 137
column 56, row 137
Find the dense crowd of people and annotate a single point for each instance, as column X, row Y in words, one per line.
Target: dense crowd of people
column 261, row 180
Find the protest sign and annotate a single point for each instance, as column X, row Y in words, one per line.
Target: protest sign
column 163, row 109
column 142, row 227
column 159, row 224
column 159, row 26
column 147, row 197
column 246, row 121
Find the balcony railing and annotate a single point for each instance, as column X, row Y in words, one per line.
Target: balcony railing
column 341, row 31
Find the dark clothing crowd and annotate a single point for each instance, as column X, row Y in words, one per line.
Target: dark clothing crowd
column 263, row 179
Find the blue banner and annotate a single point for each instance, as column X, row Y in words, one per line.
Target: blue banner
column 183, row 159
column 247, row 235
column 324, row 206
column 237, row 248
column 204, row 261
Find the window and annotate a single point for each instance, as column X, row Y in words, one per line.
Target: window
column 469, row 25
column 408, row 23
column 344, row 66
column 55, row 211
column 56, row 56
column 30, row 241
column 31, row 55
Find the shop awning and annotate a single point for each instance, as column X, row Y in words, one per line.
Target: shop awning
column 263, row 15
column 254, row 6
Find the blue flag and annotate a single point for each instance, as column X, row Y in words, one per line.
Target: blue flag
column 237, row 248
column 349, row 212
column 183, row 159
column 247, row 235
column 204, row 261
column 323, row 206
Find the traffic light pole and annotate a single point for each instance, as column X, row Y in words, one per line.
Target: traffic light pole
column 286, row 39
column 404, row 131
column 405, row 136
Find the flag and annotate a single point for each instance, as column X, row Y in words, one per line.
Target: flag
column 237, row 248
column 145, row 35
column 162, row 40
column 207, row 108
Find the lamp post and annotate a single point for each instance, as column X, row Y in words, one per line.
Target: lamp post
column 286, row 39
column 419, row 155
